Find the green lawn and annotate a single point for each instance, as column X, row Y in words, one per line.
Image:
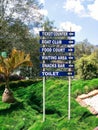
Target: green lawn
column 27, row 113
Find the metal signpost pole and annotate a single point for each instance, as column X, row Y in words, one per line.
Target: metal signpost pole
column 69, row 90
column 43, row 96
column 44, row 86
column 69, row 97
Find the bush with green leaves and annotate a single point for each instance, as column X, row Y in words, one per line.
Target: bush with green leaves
column 87, row 67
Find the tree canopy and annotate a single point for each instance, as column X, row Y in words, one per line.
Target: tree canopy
column 87, row 66
column 28, row 11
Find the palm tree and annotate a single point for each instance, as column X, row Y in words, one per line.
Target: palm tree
column 7, row 66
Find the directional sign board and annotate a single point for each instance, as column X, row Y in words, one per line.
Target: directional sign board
column 62, row 57
column 50, row 41
column 56, row 34
column 55, row 65
column 63, row 52
column 53, row 49
column 55, row 73
column 56, row 54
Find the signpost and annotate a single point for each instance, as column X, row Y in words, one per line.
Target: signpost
column 56, row 73
column 56, row 49
column 56, row 42
column 55, row 65
column 44, row 85
column 57, row 58
column 56, row 34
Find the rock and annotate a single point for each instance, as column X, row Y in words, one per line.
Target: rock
column 96, row 128
column 7, row 96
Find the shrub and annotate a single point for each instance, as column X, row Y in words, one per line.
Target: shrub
column 20, row 83
column 15, row 77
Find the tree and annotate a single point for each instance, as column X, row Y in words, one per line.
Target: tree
column 4, row 36
column 15, row 22
column 28, row 11
column 14, row 34
column 17, row 35
column 17, row 18
column 8, row 65
column 83, row 48
column 87, row 66
column 48, row 25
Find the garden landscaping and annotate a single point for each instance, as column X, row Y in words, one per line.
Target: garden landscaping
column 26, row 114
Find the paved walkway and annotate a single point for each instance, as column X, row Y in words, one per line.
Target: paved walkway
column 92, row 101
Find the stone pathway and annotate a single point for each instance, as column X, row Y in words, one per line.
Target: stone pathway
column 90, row 101
column 96, row 128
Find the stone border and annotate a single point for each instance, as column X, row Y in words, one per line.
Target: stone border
column 80, row 98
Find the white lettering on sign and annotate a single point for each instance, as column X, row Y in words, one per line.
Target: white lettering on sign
column 58, row 49
column 55, row 34
column 44, row 41
column 55, row 65
column 49, row 57
column 61, row 65
column 49, row 65
column 62, row 57
column 46, row 49
column 50, row 73
column 56, row 42
column 57, row 57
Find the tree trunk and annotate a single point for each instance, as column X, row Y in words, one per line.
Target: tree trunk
column 7, row 96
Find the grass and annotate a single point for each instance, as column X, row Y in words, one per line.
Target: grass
column 27, row 113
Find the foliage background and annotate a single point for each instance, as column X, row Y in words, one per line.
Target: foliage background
column 27, row 113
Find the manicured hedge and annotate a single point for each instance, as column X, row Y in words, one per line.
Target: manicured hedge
column 20, row 83
column 14, row 77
